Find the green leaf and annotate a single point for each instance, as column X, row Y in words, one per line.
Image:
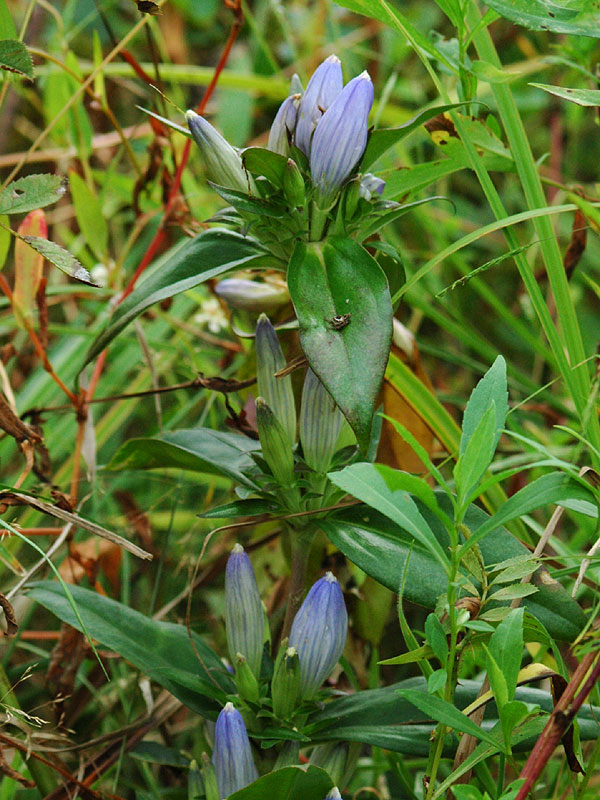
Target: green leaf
column 513, row 592
column 491, row 390
column 61, row 258
column 436, row 681
column 583, row 97
column 384, row 138
column 506, row 647
column 381, row 549
column 7, row 26
column 89, row 216
column 197, row 260
column 260, row 161
column 31, row 192
column 436, row 636
column 477, row 455
column 580, row 17
column 446, row 713
column 197, row 676
column 156, row 753
column 252, row 205
column 549, row 489
column 199, row 450
column 288, row 783
column 381, row 717
column 14, row 57
column 337, row 278
column 368, row 483
column 255, row 507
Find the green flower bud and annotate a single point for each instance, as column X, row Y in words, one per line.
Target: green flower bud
column 277, row 392
column 209, row 777
column 285, row 682
column 275, row 443
column 293, row 185
column 252, row 295
column 223, row 164
column 246, row 683
column 320, row 423
column 332, row 758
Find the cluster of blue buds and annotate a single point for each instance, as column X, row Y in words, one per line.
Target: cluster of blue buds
column 325, row 125
column 316, row 642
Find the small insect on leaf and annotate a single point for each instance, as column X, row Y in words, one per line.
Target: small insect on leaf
column 339, row 321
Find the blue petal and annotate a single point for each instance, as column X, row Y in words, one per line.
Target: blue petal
column 340, row 138
column 232, row 755
column 319, row 633
column 324, row 86
column 244, row 618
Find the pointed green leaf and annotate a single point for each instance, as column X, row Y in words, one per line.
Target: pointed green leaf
column 331, row 280
column 381, row 549
column 288, row 783
column 580, row 17
column 197, row 676
column 490, row 389
column 368, row 483
column 198, row 450
column 31, row 192
column 14, row 57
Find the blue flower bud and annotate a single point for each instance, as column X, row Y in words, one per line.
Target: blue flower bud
column 319, row 633
column 244, row 617
column 320, row 423
column 369, row 185
column 340, row 139
column 223, row 164
column 283, row 125
column 252, row 295
column 277, row 392
column 324, row 86
column 232, row 756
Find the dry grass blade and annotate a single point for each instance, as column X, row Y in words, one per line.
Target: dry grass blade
column 80, row 522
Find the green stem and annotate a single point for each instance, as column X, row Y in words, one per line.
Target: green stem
column 300, row 541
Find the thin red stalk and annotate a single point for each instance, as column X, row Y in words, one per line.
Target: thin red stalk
column 560, row 720
column 160, row 234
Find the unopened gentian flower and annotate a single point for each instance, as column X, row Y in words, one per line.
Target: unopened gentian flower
column 277, row 392
column 324, row 86
column 334, row 794
column 232, row 756
column 244, row 618
column 283, row 125
column 340, row 139
column 223, row 164
column 248, row 295
column 320, row 423
column 319, row 633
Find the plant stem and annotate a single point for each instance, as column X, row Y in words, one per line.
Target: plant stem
column 300, row 540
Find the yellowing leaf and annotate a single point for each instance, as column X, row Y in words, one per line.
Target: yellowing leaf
column 28, row 265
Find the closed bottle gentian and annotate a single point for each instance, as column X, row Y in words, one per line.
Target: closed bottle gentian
column 244, row 618
column 320, row 423
column 223, row 164
column 324, row 86
column 319, row 633
column 232, row 755
column 340, row 139
column 283, row 125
